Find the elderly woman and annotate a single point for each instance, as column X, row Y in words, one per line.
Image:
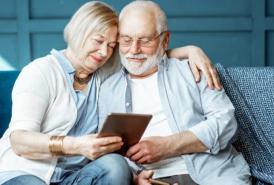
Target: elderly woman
column 52, row 134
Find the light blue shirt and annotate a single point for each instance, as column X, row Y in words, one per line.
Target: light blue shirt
column 207, row 113
column 86, row 122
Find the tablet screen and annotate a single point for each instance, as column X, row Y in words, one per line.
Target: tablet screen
column 129, row 126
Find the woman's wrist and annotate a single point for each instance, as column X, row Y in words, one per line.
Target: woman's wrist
column 56, row 145
column 191, row 49
column 70, row 145
column 180, row 53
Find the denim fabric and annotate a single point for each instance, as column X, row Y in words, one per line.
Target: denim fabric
column 110, row 169
column 25, row 180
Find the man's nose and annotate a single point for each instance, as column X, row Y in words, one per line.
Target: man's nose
column 135, row 47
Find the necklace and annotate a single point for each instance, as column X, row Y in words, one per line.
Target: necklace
column 82, row 80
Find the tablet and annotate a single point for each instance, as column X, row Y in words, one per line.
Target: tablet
column 129, row 126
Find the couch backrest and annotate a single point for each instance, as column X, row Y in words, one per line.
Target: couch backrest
column 7, row 79
column 251, row 90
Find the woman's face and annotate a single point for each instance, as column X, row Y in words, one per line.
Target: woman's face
column 98, row 49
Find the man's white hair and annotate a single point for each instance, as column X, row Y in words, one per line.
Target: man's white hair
column 159, row 14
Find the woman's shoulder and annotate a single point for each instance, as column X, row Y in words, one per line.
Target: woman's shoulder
column 46, row 63
column 46, row 66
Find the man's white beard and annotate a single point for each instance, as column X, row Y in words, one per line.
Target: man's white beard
column 138, row 68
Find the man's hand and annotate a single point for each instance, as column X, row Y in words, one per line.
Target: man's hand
column 144, row 178
column 149, row 150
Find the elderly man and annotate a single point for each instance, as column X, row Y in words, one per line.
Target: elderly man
column 188, row 139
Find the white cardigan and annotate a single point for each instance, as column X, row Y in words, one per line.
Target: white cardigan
column 42, row 102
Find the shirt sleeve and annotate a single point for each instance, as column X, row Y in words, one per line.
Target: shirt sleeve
column 220, row 125
column 30, row 100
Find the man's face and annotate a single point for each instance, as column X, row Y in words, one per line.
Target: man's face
column 140, row 45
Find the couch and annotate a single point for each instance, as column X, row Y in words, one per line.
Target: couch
column 7, row 79
column 251, row 90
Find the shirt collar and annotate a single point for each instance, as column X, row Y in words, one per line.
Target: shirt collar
column 63, row 61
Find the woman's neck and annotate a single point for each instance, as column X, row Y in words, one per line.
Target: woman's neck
column 80, row 72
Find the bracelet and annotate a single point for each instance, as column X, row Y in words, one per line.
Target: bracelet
column 56, row 145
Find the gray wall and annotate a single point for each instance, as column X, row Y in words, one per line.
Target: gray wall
column 233, row 32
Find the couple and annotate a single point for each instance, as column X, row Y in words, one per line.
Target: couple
column 52, row 136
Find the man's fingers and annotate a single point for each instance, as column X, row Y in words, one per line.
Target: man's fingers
column 136, row 156
column 144, row 177
column 142, row 160
column 133, row 150
column 146, row 174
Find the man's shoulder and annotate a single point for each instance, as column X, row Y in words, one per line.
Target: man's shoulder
column 174, row 62
column 180, row 68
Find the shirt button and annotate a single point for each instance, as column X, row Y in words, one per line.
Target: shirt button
column 127, row 104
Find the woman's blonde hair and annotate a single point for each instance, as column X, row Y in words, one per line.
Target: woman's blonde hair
column 92, row 17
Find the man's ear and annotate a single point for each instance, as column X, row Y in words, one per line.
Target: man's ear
column 166, row 40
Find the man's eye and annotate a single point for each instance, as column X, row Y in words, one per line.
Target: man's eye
column 126, row 40
column 144, row 40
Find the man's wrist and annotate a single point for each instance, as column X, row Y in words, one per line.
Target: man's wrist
column 174, row 145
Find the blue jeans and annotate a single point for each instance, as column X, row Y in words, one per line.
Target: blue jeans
column 108, row 169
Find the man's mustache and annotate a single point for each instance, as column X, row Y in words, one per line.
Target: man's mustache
column 136, row 56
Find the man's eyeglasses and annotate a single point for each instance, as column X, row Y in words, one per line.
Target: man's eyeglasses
column 127, row 41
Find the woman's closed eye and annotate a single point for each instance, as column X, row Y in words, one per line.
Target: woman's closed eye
column 99, row 41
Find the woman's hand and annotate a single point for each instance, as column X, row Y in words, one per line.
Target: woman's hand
column 198, row 61
column 92, row 146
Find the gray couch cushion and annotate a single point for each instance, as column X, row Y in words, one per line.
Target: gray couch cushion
column 251, row 90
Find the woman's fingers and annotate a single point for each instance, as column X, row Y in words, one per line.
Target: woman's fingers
column 110, row 148
column 195, row 71
column 102, row 141
column 216, row 79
